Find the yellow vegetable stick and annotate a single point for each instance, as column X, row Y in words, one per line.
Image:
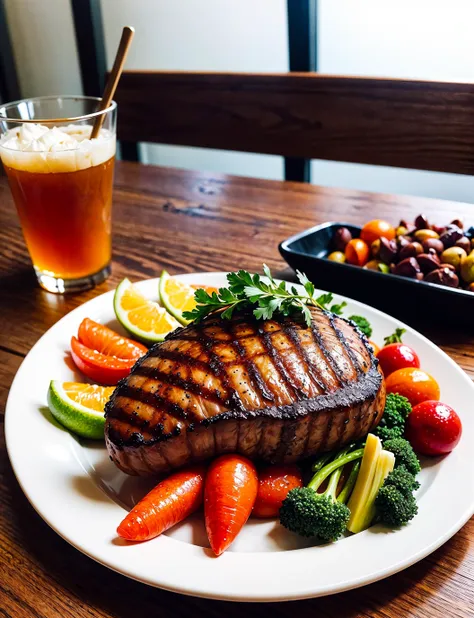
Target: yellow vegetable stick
column 360, row 494
column 385, row 465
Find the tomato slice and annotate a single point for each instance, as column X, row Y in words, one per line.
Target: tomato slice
column 99, row 367
column 106, row 341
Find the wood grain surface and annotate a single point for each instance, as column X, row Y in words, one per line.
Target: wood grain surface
column 401, row 123
column 184, row 222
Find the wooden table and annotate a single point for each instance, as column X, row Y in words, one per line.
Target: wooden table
column 190, row 221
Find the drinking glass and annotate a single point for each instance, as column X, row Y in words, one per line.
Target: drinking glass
column 61, row 183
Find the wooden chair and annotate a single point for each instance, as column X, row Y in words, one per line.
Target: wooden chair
column 401, row 123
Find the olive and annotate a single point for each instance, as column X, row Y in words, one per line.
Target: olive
column 433, row 243
column 449, row 267
column 428, row 262
column 451, row 235
column 375, row 248
column 464, row 243
column 467, row 269
column 458, row 223
column 401, row 230
column 373, row 265
column 403, row 223
column 402, row 241
column 388, row 250
column 439, row 229
column 410, row 250
column 454, row 256
column 443, row 276
column 341, row 237
column 407, row 268
column 421, row 222
column 424, row 234
column 337, row 256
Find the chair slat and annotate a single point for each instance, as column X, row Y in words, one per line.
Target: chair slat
column 401, row 123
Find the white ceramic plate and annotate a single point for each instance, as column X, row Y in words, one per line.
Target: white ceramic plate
column 82, row 496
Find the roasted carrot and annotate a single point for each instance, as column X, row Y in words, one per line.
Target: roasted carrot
column 171, row 501
column 229, row 494
column 274, row 483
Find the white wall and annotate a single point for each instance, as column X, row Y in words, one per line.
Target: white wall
column 214, row 35
column 42, row 34
column 429, row 39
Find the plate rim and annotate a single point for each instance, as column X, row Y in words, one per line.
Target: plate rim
column 188, row 589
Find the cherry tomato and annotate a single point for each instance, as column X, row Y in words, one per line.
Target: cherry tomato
column 433, row 428
column 377, row 229
column 397, row 356
column 357, row 252
column 375, row 347
column 274, row 483
column 103, row 355
column 413, row 383
column 106, row 341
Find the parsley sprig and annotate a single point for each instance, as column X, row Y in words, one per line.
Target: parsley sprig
column 265, row 296
column 395, row 337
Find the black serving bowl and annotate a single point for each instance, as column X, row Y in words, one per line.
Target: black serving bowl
column 413, row 301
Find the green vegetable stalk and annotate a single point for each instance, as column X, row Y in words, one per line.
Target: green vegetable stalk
column 321, row 515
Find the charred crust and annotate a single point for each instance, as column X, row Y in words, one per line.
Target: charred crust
column 350, row 395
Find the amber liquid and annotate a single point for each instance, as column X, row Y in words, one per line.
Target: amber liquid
column 66, row 218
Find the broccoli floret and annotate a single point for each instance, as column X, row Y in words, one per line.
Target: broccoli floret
column 392, row 424
column 404, row 454
column 310, row 514
column 395, row 508
column 403, row 480
column 385, row 433
column 395, row 504
column 319, row 514
column 363, row 324
column 397, row 410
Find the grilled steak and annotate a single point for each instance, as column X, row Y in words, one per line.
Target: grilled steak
column 272, row 390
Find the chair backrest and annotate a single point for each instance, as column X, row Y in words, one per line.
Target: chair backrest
column 401, row 123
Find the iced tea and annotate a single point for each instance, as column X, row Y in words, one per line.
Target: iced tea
column 61, row 182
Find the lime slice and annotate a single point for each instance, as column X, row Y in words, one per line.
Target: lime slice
column 79, row 407
column 143, row 318
column 176, row 296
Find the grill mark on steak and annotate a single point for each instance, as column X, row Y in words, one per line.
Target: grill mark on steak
column 327, row 356
column 219, row 370
column 256, row 377
column 222, row 411
column 153, row 398
column 181, row 358
column 254, row 373
column 292, row 335
column 345, row 345
column 279, row 365
column 175, row 379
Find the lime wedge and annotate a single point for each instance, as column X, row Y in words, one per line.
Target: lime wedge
column 143, row 318
column 79, row 407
